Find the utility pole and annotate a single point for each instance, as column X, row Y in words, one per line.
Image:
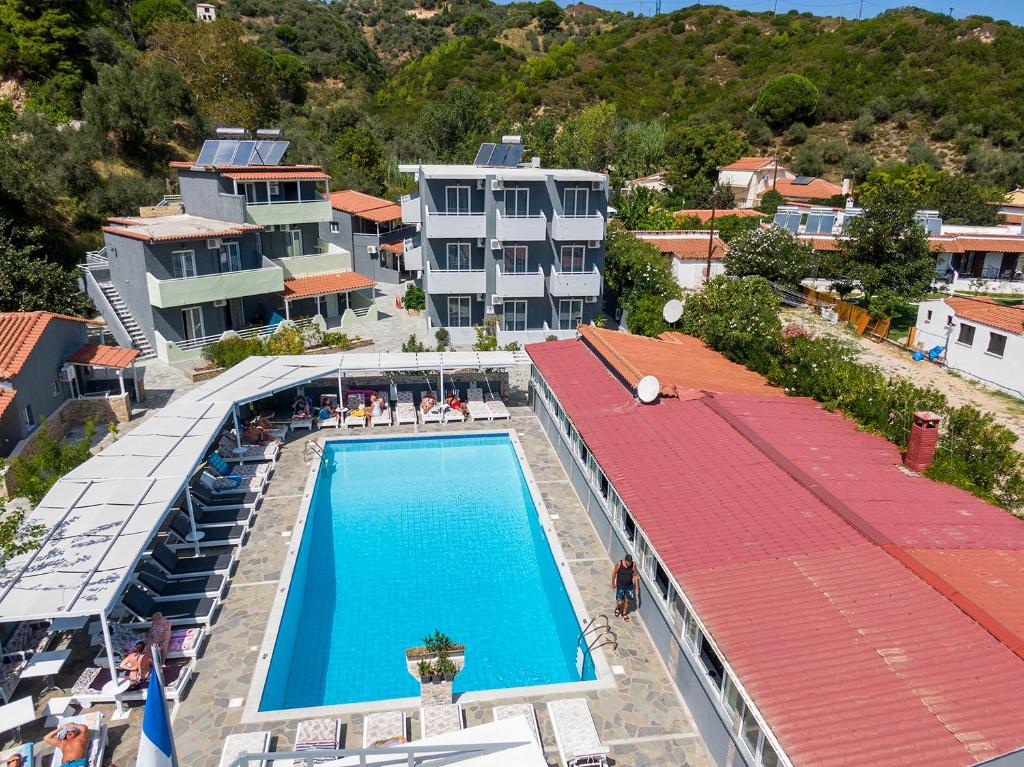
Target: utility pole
column 711, row 234
column 657, row 8
column 775, row 8
column 775, row 170
column 860, row 10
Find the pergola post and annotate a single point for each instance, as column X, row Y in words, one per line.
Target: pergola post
column 135, row 382
column 196, row 535
column 238, row 430
column 120, row 379
column 341, row 400
column 287, row 309
column 119, row 709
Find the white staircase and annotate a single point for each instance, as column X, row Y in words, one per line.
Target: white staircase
column 139, row 340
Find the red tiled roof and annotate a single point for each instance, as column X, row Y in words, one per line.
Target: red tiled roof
column 104, row 356
column 748, row 163
column 277, row 175
column 321, row 284
column 181, row 226
column 398, row 248
column 986, row 311
column 817, row 189
column 948, row 243
column 19, row 334
column 6, row 398
column 704, row 214
column 798, row 540
column 689, row 246
column 365, row 205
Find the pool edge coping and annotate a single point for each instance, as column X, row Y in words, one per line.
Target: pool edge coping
column 252, row 715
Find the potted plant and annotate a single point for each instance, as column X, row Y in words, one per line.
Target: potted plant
column 435, row 664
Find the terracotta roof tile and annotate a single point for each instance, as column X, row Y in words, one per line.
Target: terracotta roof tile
column 6, row 398
column 398, row 248
column 321, row 284
column 19, row 334
column 277, row 175
column 365, row 205
column 987, row 312
column 104, row 356
column 748, row 163
column 690, row 245
column 817, row 189
column 181, row 226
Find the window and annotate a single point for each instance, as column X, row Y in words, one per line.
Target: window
column 949, row 320
column 712, row 663
column 928, row 316
column 643, row 553
column 515, row 259
column 458, row 256
column 293, row 242
column 517, row 202
column 733, row 700
column 570, row 313
column 192, row 319
column 250, row 193
column 515, row 315
column 183, row 262
column 996, row 344
column 456, row 199
column 232, row 257
column 629, row 527
column 679, row 608
column 768, row 756
column 602, row 484
column 572, row 258
column 459, row 312
column 691, row 634
column 30, row 417
column 660, row 578
column 335, row 227
column 966, row 336
column 274, row 188
column 574, row 201
column 750, row 730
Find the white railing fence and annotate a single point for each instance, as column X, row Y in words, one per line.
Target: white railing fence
column 114, row 324
column 260, row 331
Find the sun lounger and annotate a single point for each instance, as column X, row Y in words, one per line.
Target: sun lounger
column 93, row 685
column 203, row 497
column 303, row 421
column 384, row 419
column 227, row 485
column 25, row 750
column 246, row 472
column 245, row 743
column 198, row 610
column 97, row 738
column 478, row 409
column 182, row 588
column 575, row 734
column 384, row 728
column 496, row 406
column 229, row 450
column 175, row 567
column 525, row 710
column 221, row 517
column 405, row 410
column 438, row 720
column 212, row 536
column 434, row 415
column 356, row 404
column 28, row 638
column 186, row 642
column 317, row 735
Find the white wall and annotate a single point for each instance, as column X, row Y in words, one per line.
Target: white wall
column 1005, row 373
column 690, row 274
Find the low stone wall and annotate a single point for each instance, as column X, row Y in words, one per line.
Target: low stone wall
column 205, row 374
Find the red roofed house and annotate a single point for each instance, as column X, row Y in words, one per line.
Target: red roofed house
column 688, row 251
column 218, row 257
column 817, row 604
column 981, row 339
column 47, row 359
column 749, row 178
column 371, row 229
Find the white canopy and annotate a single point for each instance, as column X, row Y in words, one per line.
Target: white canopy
column 98, row 519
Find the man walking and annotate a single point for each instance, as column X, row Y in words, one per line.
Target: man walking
column 625, row 581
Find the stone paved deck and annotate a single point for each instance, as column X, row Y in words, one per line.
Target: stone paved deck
column 642, row 718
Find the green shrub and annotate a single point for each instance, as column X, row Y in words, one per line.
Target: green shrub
column 443, row 338
column 229, row 351
column 415, row 298
column 788, row 99
column 339, row 341
column 412, row 345
column 32, row 476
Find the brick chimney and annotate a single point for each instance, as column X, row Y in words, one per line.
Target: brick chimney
column 924, row 435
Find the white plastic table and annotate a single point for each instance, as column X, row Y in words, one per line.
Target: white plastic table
column 69, row 624
column 46, row 664
column 55, row 709
column 14, row 715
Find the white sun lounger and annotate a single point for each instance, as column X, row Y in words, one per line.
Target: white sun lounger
column 97, row 738
column 434, row 415
column 453, row 415
column 575, row 734
column 245, row 743
column 438, row 720
column 355, row 402
column 221, row 485
column 186, row 641
column 384, row 419
column 384, row 728
column 525, row 710
column 496, row 406
column 478, row 409
column 405, row 410
column 93, row 685
column 317, row 735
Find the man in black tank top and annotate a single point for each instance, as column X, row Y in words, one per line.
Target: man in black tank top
column 625, row 581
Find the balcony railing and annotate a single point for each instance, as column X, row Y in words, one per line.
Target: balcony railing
column 456, row 281
column 322, row 260
column 261, row 331
column 411, row 209
column 574, row 284
column 533, row 335
column 311, row 211
column 520, row 228
column 456, row 225
column 412, row 258
column 519, row 284
column 187, row 291
column 589, row 228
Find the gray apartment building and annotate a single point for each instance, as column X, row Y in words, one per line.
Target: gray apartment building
column 371, row 229
column 509, row 239
column 240, row 249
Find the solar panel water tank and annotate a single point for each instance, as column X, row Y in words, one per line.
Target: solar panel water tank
column 483, row 154
column 930, row 220
column 820, row 221
column 788, row 217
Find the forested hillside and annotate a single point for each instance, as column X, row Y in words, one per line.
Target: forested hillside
column 97, row 96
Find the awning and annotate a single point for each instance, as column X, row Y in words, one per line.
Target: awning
column 98, row 355
column 325, row 284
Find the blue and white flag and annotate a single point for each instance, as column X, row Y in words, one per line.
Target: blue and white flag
column 156, row 746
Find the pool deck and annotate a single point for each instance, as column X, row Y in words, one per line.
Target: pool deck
column 642, row 719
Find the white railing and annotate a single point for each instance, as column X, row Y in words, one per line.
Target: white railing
column 588, row 227
column 361, row 311
column 114, row 324
column 574, row 284
column 261, row 331
column 169, row 200
column 97, row 259
column 519, row 284
column 411, row 209
column 526, row 228
column 469, row 224
column 411, row 755
column 456, row 280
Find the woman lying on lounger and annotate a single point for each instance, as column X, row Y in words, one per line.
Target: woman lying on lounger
column 427, row 402
column 376, row 409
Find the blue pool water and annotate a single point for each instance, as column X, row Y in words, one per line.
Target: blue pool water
column 408, row 535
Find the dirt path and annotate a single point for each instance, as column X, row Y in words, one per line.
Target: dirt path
column 1008, row 410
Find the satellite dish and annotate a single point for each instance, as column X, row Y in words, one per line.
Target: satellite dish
column 673, row 311
column 647, row 389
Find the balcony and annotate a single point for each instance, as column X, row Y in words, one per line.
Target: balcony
column 533, row 335
column 292, row 212
column 455, row 281
column 324, row 260
column 574, row 284
column 456, row 225
column 411, row 209
column 413, row 257
column 519, row 284
column 188, row 291
column 521, row 228
column 578, row 228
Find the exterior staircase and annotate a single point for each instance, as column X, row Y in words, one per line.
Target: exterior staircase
column 139, row 340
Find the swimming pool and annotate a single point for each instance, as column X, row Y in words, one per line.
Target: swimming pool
column 405, row 535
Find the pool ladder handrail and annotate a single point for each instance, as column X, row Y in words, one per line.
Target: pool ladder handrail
column 312, row 447
column 604, row 635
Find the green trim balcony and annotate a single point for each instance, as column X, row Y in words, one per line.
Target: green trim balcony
column 295, row 212
column 326, row 259
column 189, row 291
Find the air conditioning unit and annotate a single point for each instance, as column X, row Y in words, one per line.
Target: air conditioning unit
column 371, row 249
column 597, row 185
column 270, row 228
column 497, row 184
column 594, row 244
column 67, row 373
column 495, row 244
column 591, row 299
column 480, row 183
column 479, row 242
column 221, row 303
column 213, row 244
column 497, row 300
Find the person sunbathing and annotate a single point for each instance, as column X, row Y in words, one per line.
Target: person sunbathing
column 300, row 408
column 137, row 664
column 376, row 409
column 73, row 741
column 427, row 403
column 456, row 404
column 159, row 634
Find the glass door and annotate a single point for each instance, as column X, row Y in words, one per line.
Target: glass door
column 458, row 257
column 456, row 199
column 570, row 313
column 459, row 315
column 192, row 319
column 515, row 315
column 184, row 263
column 517, row 202
column 572, row 258
column 293, row 242
column 574, row 201
column 515, row 259
column 233, row 256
